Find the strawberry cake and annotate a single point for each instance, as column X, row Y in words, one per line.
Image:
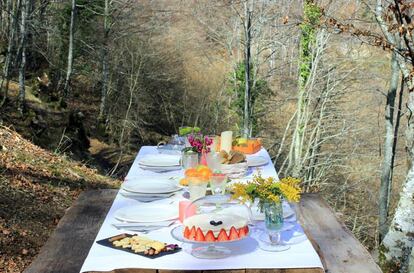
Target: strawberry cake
column 213, row 227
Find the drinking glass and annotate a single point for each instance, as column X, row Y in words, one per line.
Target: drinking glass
column 218, row 183
column 271, row 240
column 213, row 162
column 189, row 160
column 197, row 187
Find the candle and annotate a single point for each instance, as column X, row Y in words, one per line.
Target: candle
column 226, row 141
column 183, row 212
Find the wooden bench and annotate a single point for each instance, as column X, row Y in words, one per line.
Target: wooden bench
column 67, row 248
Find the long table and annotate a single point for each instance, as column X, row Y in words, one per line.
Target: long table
column 67, row 248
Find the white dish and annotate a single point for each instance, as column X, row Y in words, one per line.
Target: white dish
column 160, row 169
column 143, row 197
column 256, row 160
column 147, row 213
column 150, row 186
column 159, row 160
column 148, row 195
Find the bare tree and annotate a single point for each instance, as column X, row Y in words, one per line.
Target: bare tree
column 22, row 65
column 12, row 13
column 397, row 244
column 389, row 150
column 247, row 67
column 104, row 58
column 70, row 50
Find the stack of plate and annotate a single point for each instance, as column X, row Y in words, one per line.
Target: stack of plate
column 145, row 217
column 147, row 189
column 160, row 162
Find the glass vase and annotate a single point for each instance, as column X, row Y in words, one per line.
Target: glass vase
column 273, row 216
column 271, row 240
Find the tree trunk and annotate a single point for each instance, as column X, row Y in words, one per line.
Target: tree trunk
column 306, row 57
column 398, row 243
column 105, row 63
column 247, row 67
column 70, row 50
column 12, row 25
column 411, row 265
column 387, row 166
column 22, row 65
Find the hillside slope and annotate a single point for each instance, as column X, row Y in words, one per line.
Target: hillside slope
column 36, row 187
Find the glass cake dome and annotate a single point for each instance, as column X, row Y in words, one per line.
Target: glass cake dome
column 210, row 223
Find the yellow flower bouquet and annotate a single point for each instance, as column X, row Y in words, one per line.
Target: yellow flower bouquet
column 267, row 190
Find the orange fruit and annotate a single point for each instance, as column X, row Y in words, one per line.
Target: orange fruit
column 184, row 182
column 205, row 174
column 191, row 172
column 201, row 167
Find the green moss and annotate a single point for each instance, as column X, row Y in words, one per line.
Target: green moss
column 311, row 18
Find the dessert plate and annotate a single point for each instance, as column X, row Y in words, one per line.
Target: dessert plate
column 256, row 160
column 151, row 186
column 147, row 213
column 159, row 160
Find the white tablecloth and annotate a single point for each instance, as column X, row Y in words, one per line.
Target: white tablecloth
column 246, row 253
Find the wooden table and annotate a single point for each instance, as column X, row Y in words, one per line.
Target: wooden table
column 69, row 245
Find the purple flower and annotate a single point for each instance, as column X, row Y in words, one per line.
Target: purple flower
column 200, row 142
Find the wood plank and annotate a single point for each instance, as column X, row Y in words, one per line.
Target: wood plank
column 128, row 270
column 286, row 270
column 69, row 245
column 339, row 250
column 176, row 271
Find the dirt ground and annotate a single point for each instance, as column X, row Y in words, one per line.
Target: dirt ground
column 36, row 187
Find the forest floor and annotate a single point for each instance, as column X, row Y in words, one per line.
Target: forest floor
column 36, row 187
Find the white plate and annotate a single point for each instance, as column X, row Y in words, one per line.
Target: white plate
column 256, row 160
column 147, row 213
column 159, row 160
column 150, row 186
column 160, row 169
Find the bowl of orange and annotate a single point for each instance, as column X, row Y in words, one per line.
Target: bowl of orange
column 199, row 174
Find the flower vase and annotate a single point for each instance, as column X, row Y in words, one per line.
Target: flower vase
column 203, row 158
column 271, row 240
column 273, row 215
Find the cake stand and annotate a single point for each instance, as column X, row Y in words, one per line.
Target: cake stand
column 216, row 204
column 205, row 250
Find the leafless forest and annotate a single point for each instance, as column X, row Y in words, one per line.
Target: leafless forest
column 327, row 85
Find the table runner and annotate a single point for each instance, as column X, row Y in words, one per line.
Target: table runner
column 247, row 254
